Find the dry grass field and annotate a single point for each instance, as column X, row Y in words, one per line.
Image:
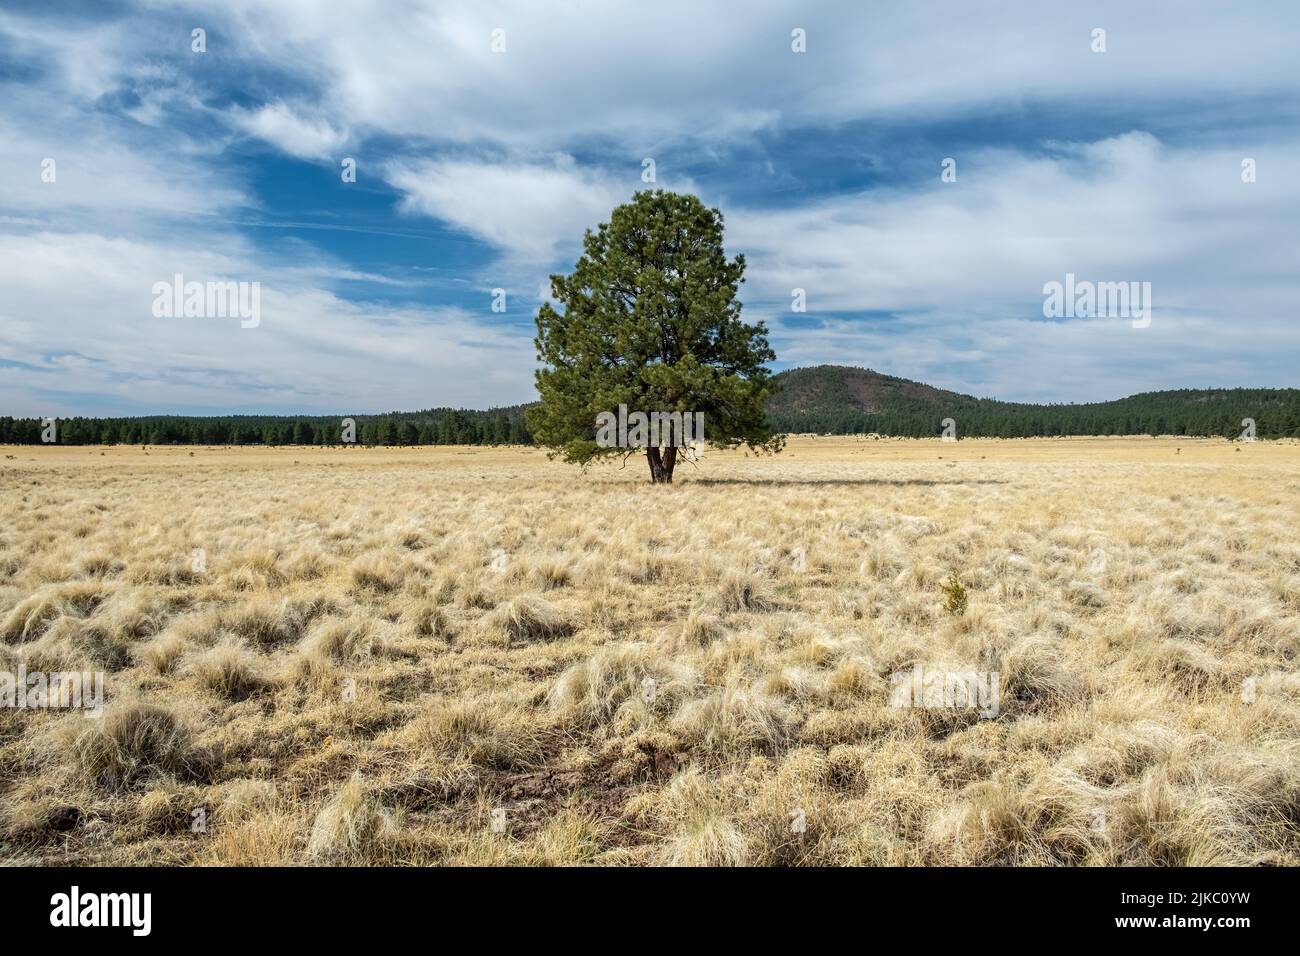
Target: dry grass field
column 479, row 656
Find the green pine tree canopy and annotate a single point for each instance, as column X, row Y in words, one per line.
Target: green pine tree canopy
column 650, row 321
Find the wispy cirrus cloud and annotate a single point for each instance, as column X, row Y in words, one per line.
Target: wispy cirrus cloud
column 313, row 350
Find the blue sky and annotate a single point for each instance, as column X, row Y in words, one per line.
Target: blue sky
column 479, row 170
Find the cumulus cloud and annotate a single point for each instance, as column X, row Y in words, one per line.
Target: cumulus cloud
column 288, row 129
column 524, row 208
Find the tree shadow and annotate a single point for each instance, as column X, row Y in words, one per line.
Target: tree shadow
column 844, row 482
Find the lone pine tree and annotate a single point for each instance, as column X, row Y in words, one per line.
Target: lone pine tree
column 649, row 319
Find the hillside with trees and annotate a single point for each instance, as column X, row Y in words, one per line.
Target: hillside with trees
column 838, row 400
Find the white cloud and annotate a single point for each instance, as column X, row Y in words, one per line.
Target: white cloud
column 961, row 266
column 524, row 208
column 1121, row 208
column 691, row 70
column 77, row 318
column 286, row 128
column 86, row 57
column 101, row 172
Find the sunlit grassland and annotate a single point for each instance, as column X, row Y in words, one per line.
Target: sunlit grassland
column 357, row 655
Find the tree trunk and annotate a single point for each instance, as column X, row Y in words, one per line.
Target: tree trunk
column 661, row 465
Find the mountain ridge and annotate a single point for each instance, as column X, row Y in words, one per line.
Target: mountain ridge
column 841, row 399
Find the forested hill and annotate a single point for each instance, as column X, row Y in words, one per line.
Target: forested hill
column 840, row 400
column 827, row 399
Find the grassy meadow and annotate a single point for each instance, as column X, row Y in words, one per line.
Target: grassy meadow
column 456, row 655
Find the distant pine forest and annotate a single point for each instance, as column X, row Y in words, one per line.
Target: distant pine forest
column 1049, row 422
column 826, row 400
column 442, row 426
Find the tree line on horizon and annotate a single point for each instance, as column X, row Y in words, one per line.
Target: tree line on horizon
column 440, row 426
column 1190, row 412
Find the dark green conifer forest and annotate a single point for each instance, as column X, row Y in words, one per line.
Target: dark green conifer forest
column 826, row 399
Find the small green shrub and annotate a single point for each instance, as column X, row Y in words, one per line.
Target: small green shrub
column 954, row 593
